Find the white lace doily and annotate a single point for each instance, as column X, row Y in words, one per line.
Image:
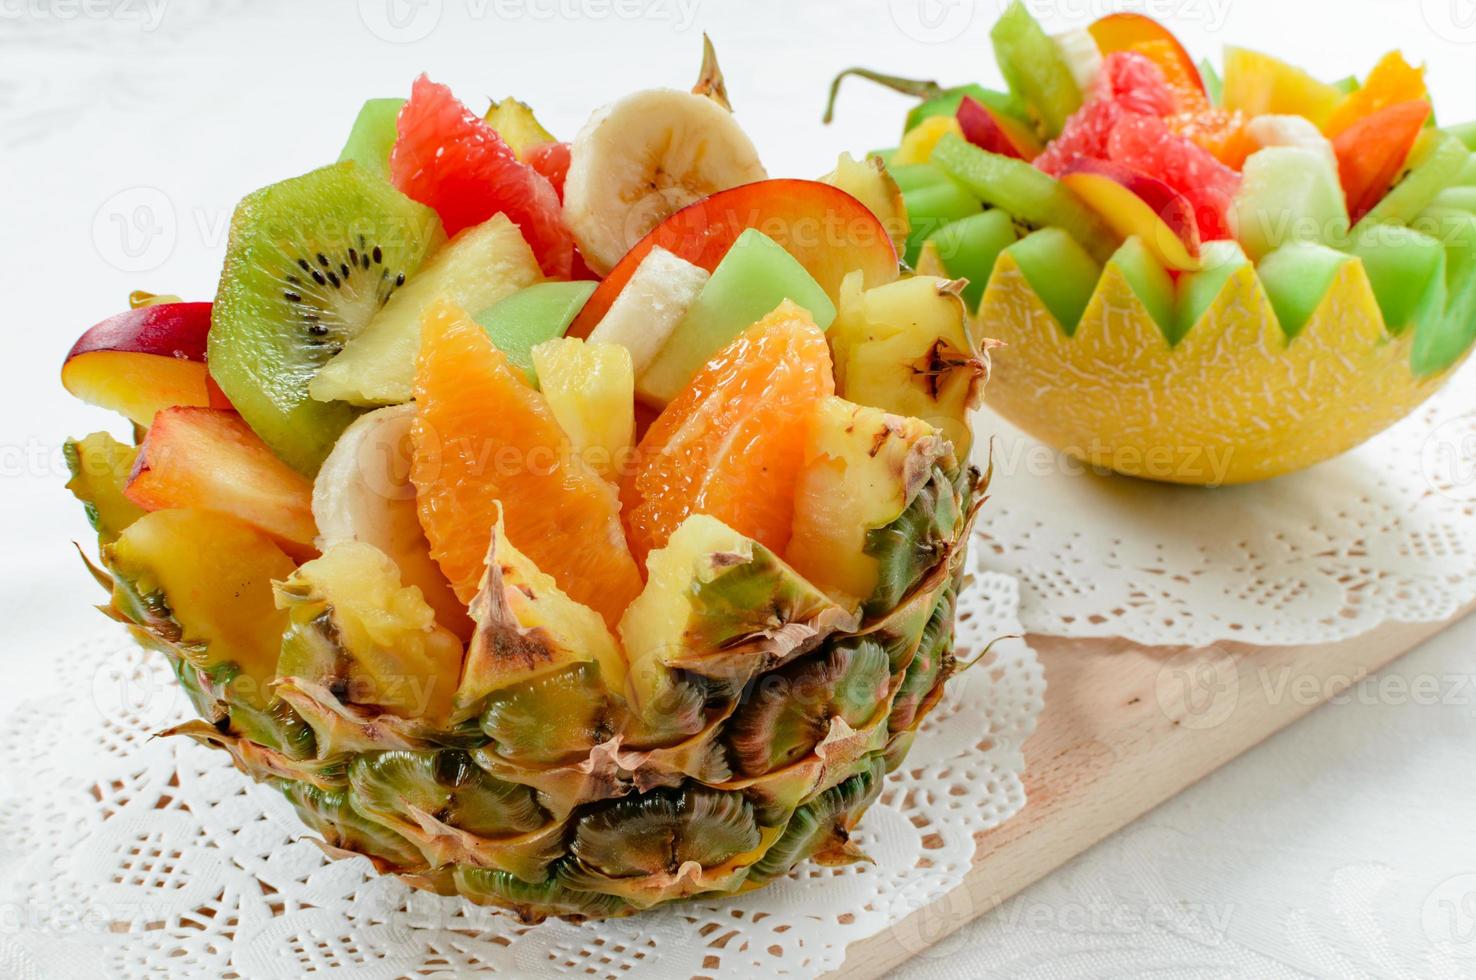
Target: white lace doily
column 129, row 856
column 1384, row 533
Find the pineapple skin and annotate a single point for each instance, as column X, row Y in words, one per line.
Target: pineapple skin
column 750, row 731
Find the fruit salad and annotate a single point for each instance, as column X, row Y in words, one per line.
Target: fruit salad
column 573, row 526
column 1201, row 273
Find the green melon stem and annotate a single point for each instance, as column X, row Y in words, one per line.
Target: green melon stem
column 915, row 87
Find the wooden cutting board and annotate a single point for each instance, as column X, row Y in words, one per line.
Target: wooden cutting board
column 1126, row 727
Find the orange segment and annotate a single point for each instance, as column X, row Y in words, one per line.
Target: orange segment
column 732, row 443
column 1221, row 132
column 482, row 435
column 1392, row 80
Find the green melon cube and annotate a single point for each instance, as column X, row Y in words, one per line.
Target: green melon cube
column 1150, row 282
column 1465, row 132
column 912, row 176
column 373, row 136
column 1296, row 277
column 932, row 207
column 969, row 247
column 754, row 277
column 1440, row 341
column 1434, row 164
column 1060, row 271
column 1288, row 194
column 1197, row 291
column 522, row 320
column 1407, row 272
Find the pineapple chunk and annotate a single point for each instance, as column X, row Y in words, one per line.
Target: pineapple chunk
column 906, row 347
column 720, row 605
column 100, row 466
column 518, row 127
column 528, row 628
column 869, row 182
column 353, row 624
column 591, row 390
column 478, row 267
column 203, row 582
column 862, row 468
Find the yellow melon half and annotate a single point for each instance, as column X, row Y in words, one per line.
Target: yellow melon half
column 1233, row 402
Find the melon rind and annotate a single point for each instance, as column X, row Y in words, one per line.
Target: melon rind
column 1233, row 402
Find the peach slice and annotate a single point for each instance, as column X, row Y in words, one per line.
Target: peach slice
column 1134, row 203
column 996, row 132
column 209, row 459
column 827, row 230
column 144, row 360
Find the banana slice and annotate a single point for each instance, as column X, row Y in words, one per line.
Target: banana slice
column 1292, row 131
column 645, row 156
column 647, row 311
column 1083, row 57
column 363, row 493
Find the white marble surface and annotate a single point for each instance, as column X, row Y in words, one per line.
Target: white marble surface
column 128, row 129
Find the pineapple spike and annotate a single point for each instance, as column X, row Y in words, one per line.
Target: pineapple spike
column 99, row 575
column 528, row 628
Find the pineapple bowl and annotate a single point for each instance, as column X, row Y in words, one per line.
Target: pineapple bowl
column 1196, row 278
column 564, row 526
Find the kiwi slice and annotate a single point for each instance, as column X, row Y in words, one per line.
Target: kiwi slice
column 788, row 711
column 449, row 786
column 663, row 829
column 310, row 260
column 1034, row 68
column 1033, row 198
column 554, row 718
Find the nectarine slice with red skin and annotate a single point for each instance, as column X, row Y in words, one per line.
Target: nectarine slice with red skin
column 209, row 459
column 143, row 360
column 1134, row 203
column 996, row 132
column 827, row 230
column 1136, row 32
column 1372, row 151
